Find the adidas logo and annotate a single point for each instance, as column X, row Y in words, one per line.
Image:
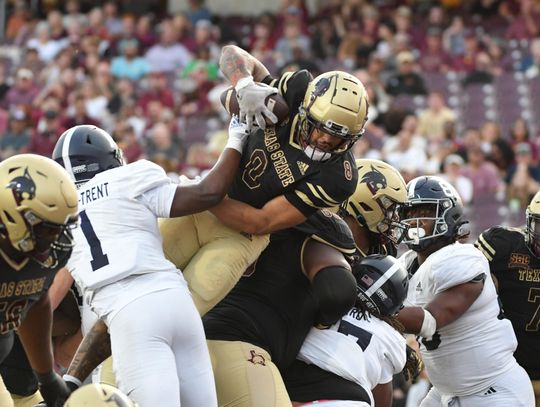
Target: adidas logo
column 491, row 390
column 418, row 287
column 302, row 166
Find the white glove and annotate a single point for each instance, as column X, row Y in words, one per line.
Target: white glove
column 251, row 97
column 238, row 135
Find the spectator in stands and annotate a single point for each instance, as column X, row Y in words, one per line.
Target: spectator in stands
column 465, row 62
column 125, row 136
column 262, row 41
column 157, row 89
column 433, row 119
column 30, row 60
column 292, row 38
column 454, row 37
column 406, row 81
column 46, row 46
column 48, row 129
column 531, row 63
column 206, row 36
column 526, row 25
column 406, row 147
column 17, row 136
column 197, row 11
column 502, row 155
column 113, row 23
column 77, row 115
column 524, row 176
column 325, row 39
column 168, row 55
column 184, row 28
column 129, row 64
column 452, row 167
column 519, row 133
column 17, row 20
column 23, row 92
column 482, row 173
column 433, row 57
column 162, row 148
column 483, row 72
column 96, row 100
column 73, row 14
column 57, row 30
column 4, row 81
column 96, row 25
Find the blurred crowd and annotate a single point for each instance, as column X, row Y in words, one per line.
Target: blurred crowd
column 454, row 85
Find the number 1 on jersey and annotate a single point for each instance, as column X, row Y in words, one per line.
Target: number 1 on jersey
column 99, row 259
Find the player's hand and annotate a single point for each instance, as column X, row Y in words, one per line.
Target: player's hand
column 53, row 389
column 238, row 135
column 251, row 101
column 413, row 366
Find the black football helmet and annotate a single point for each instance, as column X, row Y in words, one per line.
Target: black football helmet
column 85, row 151
column 381, row 284
column 445, row 210
column 532, row 230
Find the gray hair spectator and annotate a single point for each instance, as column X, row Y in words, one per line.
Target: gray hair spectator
column 453, row 164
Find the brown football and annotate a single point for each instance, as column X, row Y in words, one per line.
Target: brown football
column 276, row 103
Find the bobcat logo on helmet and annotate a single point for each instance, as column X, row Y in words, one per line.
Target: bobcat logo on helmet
column 374, row 179
column 23, row 187
column 98, row 395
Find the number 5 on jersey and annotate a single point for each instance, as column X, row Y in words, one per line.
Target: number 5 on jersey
column 99, row 259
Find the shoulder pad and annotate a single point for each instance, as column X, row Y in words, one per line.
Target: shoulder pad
column 328, row 228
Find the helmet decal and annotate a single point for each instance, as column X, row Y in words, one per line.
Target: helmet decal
column 23, row 187
column 374, row 179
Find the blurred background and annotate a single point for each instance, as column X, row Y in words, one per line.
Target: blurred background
column 454, row 85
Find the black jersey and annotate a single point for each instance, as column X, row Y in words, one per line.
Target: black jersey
column 517, row 272
column 272, row 305
column 20, row 288
column 274, row 164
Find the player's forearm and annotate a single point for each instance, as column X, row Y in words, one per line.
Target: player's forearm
column 211, row 190
column 94, row 349
column 411, row 318
column 239, row 216
column 236, row 63
column 35, row 334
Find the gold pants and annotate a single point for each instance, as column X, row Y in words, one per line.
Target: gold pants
column 211, row 256
column 28, row 401
column 536, row 387
column 246, row 376
column 5, row 397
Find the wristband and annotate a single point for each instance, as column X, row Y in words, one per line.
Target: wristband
column 242, row 83
column 235, row 143
column 72, row 379
column 429, row 325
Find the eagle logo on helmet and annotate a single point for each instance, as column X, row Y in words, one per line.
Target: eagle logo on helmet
column 374, row 180
column 23, row 187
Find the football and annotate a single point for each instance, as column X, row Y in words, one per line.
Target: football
column 275, row 103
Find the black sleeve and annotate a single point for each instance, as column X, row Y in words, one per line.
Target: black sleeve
column 493, row 244
column 292, row 86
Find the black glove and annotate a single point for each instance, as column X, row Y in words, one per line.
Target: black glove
column 53, row 389
column 413, row 366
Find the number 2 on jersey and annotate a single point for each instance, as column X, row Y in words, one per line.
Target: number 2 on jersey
column 99, row 259
column 534, row 296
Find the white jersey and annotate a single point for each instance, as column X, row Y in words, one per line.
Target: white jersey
column 468, row 354
column 367, row 352
column 118, row 234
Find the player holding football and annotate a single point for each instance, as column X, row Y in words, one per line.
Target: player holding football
column 286, row 174
column 514, row 262
column 452, row 305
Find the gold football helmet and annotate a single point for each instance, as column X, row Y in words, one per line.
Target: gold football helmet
column 533, row 225
column 38, row 202
column 375, row 203
column 98, row 395
column 337, row 103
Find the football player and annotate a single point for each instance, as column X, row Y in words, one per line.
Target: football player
column 38, row 207
column 331, row 366
column 261, row 324
column 452, row 305
column 514, row 261
column 286, row 173
column 99, row 395
column 119, row 265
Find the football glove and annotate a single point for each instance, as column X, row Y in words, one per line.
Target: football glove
column 251, row 101
column 53, row 389
column 238, row 135
column 413, row 366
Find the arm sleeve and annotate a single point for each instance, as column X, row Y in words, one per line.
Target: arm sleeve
column 489, row 241
column 159, row 199
column 292, row 86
